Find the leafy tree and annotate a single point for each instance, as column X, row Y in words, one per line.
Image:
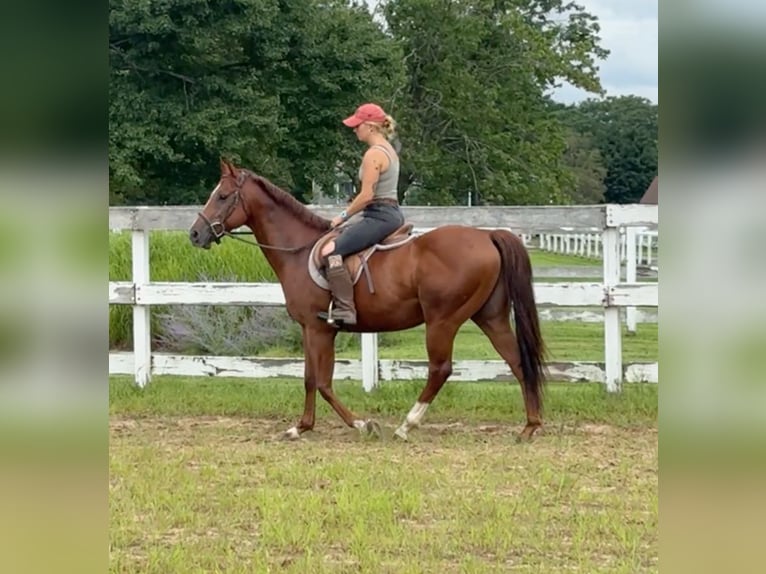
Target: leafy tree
column 625, row 131
column 332, row 57
column 264, row 83
column 474, row 115
column 583, row 161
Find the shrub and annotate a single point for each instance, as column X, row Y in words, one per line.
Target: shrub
column 227, row 330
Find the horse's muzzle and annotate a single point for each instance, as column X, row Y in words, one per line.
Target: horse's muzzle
column 201, row 239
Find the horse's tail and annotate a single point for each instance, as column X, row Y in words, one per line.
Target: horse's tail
column 517, row 274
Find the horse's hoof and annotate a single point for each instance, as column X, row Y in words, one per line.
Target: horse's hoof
column 291, row 434
column 401, row 435
column 373, row 429
column 526, row 434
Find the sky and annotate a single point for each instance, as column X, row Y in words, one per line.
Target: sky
column 629, row 32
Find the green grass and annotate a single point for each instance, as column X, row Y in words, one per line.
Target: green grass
column 547, row 259
column 198, row 482
column 566, row 341
column 565, row 402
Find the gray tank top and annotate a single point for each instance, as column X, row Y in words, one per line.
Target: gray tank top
column 389, row 179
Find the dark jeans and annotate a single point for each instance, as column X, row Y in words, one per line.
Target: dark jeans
column 378, row 221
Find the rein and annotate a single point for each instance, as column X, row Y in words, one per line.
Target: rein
column 264, row 246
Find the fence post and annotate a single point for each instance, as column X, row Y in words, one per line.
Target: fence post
column 142, row 336
column 369, row 361
column 612, row 339
column 630, row 274
column 641, row 237
column 622, row 246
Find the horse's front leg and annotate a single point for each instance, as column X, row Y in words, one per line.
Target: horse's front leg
column 320, row 345
column 310, row 385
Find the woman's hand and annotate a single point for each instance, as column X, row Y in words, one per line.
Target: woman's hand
column 336, row 221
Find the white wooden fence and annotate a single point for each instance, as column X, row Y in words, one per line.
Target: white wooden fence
column 637, row 244
column 611, row 293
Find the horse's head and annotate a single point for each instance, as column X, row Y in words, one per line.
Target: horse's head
column 224, row 209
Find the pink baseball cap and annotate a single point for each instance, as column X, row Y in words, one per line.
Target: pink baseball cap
column 365, row 113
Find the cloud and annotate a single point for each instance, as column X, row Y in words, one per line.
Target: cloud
column 629, row 32
column 570, row 95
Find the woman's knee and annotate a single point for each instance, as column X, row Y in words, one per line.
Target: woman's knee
column 328, row 248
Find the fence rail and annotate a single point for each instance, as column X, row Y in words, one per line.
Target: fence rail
column 611, row 294
column 637, row 245
column 353, row 369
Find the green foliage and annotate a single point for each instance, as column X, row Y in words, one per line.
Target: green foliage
column 263, row 83
column 205, row 329
column 172, row 258
column 474, row 108
column 624, row 130
column 267, row 83
column 583, row 160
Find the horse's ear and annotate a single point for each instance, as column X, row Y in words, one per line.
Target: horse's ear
column 226, row 168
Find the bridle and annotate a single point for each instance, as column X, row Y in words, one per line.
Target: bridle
column 216, row 227
column 218, row 230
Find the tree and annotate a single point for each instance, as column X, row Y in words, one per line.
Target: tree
column 624, row 129
column 265, row 84
column 473, row 110
column 583, row 160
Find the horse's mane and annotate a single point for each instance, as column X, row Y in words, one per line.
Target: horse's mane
column 289, row 203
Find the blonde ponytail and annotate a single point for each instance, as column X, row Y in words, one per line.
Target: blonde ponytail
column 388, row 127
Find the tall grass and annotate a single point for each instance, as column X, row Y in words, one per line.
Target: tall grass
column 172, row 258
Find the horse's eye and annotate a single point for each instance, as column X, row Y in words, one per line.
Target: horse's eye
column 222, row 197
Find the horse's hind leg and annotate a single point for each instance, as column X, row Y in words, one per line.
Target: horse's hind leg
column 440, row 338
column 497, row 327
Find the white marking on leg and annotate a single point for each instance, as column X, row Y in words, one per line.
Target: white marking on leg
column 359, row 425
column 292, row 433
column 414, row 418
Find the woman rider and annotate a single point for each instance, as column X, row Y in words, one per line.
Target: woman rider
column 377, row 201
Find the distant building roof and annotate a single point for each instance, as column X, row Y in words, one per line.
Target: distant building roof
column 652, row 193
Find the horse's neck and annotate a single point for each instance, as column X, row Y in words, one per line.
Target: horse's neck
column 273, row 226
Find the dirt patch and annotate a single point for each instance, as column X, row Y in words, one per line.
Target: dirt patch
column 186, row 430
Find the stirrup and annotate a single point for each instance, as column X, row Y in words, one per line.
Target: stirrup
column 327, row 316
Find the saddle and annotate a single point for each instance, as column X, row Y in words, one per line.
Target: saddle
column 355, row 263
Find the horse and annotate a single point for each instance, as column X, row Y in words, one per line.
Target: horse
column 441, row 278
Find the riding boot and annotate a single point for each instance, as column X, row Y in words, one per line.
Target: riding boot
column 343, row 310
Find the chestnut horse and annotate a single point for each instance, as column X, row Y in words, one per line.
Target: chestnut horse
column 441, row 278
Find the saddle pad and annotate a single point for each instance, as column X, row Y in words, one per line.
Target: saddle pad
column 353, row 262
